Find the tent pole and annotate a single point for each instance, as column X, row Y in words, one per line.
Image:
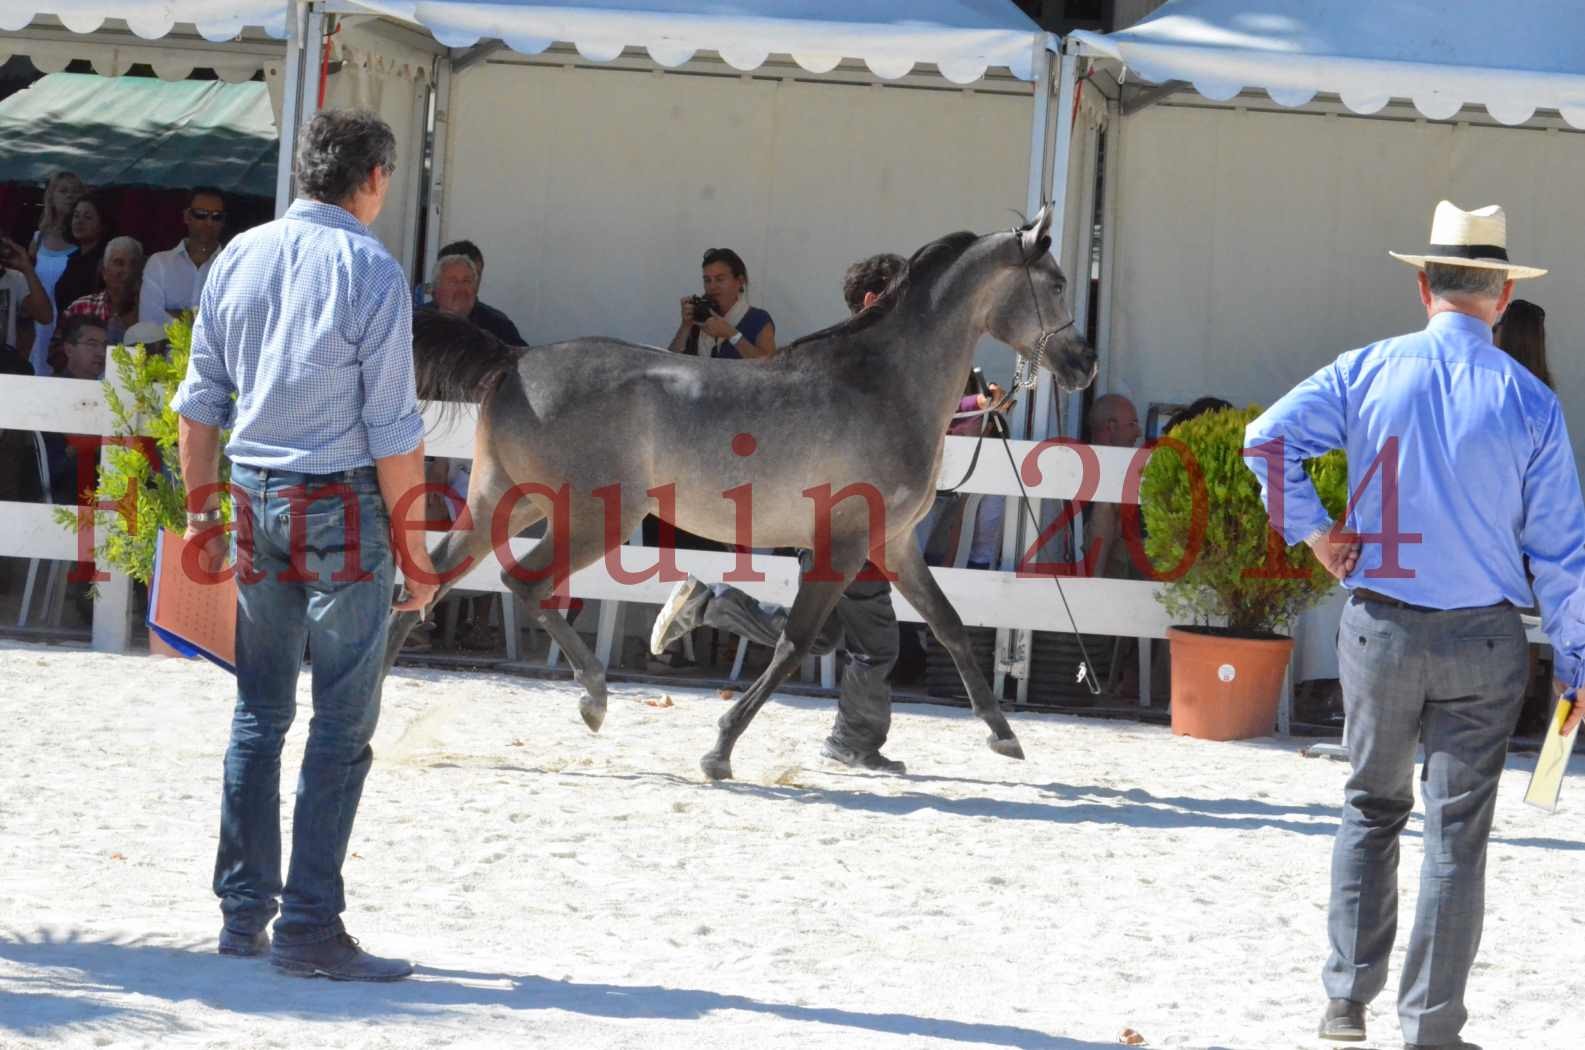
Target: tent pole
column 1038, row 127
column 291, row 81
column 1067, row 87
column 1010, row 658
column 439, row 146
column 1061, row 164
column 300, row 98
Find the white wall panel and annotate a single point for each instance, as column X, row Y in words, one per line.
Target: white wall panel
column 593, row 193
column 1252, row 247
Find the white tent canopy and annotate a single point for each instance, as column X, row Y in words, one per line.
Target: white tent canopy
column 963, row 38
column 216, row 20
column 1511, row 58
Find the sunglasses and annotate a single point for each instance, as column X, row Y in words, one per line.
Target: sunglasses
column 207, row 216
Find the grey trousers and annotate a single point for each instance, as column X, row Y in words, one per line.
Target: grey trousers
column 1457, row 678
column 863, row 624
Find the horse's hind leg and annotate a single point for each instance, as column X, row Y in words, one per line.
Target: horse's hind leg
column 809, row 611
column 460, row 549
column 532, row 580
column 924, row 594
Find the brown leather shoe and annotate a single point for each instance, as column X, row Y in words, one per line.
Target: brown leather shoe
column 339, row 958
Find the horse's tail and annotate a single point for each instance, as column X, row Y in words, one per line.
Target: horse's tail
column 456, row 360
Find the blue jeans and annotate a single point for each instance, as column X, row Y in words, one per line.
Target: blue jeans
column 318, row 571
column 1457, row 679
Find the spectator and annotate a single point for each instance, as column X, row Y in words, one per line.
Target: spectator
column 82, row 342
column 734, row 329
column 1114, row 421
column 939, row 530
column 83, row 347
column 19, row 480
column 117, row 304
column 1194, row 411
column 863, row 622
column 81, row 276
column 1522, row 332
column 173, row 278
column 23, row 300
column 457, row 293
column 480, row 313
column 51, row 249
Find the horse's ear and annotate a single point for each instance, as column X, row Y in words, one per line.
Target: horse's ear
column 1036, row 237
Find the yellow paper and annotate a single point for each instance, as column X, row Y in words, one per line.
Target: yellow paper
column 1546, row 783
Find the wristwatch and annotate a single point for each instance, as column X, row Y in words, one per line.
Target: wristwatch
column 737, row 337
column 205, row 517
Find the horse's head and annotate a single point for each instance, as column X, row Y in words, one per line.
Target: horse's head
column 1027, row 311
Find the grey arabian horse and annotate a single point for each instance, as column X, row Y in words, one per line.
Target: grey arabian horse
column 836, row 443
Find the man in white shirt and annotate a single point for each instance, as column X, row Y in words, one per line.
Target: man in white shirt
column 172, row 279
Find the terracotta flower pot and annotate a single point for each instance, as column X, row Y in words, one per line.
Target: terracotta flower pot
column 1225, row 687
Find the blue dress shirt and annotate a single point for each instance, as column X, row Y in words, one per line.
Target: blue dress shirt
column 1485, row 475
column 307, row 320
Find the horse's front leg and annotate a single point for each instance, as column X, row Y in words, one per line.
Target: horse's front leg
column 924, row 594
column 809, row 611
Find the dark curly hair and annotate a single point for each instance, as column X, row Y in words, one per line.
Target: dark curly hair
column 1522, row 332
column 732, row 260
column 874, row 274
column 338, row 149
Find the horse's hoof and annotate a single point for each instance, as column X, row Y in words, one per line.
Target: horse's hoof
column 1010, row 747
column 715, row 767
column 593, row 712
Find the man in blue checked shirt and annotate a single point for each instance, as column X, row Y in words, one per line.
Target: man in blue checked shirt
column 303, row 346
column 1462, row 475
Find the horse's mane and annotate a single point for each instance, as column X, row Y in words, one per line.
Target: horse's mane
column 455, row 360
column 921, row 269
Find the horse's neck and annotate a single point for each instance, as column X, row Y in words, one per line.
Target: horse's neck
column 942, row 337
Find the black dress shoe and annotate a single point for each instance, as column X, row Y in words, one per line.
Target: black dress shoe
column 1344, row 1021
column 339, row 959
column 244, row 945
column 1457, row 1044
column 852, row 756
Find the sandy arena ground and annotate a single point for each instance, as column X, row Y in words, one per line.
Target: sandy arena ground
column 574, row 891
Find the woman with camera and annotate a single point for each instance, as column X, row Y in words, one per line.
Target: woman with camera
column 721, row 323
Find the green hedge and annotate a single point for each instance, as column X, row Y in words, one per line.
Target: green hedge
column 1217, row 589
column 146, row 500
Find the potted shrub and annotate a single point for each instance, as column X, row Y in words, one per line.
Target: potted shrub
column 1227, row 573
column 146, row 497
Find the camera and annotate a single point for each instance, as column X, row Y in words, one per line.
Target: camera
column 703, row 308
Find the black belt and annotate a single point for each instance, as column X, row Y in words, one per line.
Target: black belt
column 1366, row 595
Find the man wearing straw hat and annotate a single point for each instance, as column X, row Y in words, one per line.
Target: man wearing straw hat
column 1461, row 470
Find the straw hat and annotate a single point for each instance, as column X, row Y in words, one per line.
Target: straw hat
column 1469, row 238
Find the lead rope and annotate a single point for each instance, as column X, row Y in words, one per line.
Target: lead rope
column 1025, row 377
column 1026, row 372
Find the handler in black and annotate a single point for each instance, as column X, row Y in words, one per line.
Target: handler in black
column 863, row 622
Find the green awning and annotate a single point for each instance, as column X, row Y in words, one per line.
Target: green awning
column 141, row 131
